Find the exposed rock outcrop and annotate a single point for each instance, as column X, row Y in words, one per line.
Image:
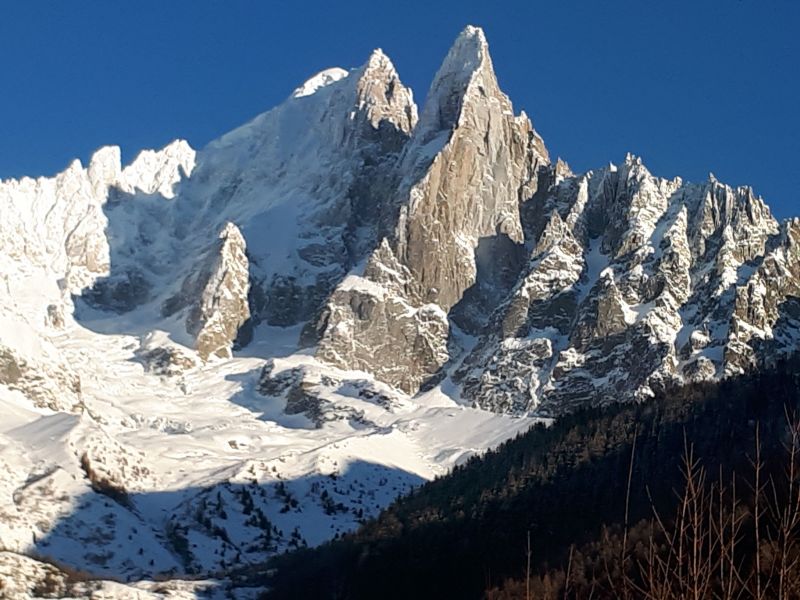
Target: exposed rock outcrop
column 635, row 281
column 468, row 166
column 214, row 297
column 31, row 365
column 47, row 385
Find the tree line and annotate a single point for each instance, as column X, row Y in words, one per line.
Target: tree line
column 692, row 494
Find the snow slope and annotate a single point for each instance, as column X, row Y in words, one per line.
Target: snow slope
column 207, row 439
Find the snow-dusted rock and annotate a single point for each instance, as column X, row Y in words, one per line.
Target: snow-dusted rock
column 307, row 183
column 462, row 175
column 635, row 281
column 766, row 317
column 371, row 323
column 31, row 365
column 214, row 296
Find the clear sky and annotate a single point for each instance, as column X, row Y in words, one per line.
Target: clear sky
column 691, row 86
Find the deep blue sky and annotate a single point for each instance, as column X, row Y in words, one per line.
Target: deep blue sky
column 691, row 86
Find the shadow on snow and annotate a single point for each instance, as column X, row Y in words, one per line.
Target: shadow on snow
column 211, row 532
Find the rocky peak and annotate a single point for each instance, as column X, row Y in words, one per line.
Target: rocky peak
column 152, row 171
column 222, row 308
column 105, row 168
column 635, row 207
column 392, row 235
column 561, row 170
column 475, row 183
column 382, row 95
column 368, row 105
column 466, row 70
column 382, row 110
column 721, row 207
column 214, row 297
column 158, row 171
column 636, row 281
column 468, row 167
column 554, row 232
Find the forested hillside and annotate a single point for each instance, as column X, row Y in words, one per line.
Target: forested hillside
column 565, row 487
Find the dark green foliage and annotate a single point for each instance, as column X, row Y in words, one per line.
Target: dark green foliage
column 176, row 536
column 465, row 533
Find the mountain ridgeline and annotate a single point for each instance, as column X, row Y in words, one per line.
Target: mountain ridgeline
column 443, row 246
column 211, row 357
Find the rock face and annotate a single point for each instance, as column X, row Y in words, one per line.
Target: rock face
column 635, row 281
column 47, row 385
column 32, row 366
column 307, row 182
column 214, row 297
column 370, row 324
column 411, row 248
column 463, row 175
column 766, row 314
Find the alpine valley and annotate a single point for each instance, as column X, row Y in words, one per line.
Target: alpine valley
column 208, row 358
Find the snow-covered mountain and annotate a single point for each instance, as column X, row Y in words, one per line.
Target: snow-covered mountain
column 633, row 282
column 210, row 357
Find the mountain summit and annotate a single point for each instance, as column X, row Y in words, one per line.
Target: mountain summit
column 337, row 300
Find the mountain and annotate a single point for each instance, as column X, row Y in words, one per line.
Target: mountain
column 256, row 346
column 463, row 172
column 635, row 283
